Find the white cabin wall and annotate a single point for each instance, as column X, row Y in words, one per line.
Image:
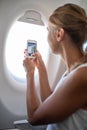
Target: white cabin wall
column 13, row 102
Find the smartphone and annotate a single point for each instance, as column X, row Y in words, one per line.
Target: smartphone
column 31, row 47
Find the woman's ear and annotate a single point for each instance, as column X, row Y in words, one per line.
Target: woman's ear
column 59, row 34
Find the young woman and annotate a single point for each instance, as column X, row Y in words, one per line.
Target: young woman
column 65, row 108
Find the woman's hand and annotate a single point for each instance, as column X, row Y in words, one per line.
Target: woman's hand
column 39, row 62
column 29, row 64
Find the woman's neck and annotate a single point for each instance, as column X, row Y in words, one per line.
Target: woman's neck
column 72, row 57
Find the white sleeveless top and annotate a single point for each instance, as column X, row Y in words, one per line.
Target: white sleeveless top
column 77, row 121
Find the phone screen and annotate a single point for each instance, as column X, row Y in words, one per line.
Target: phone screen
column 31, row 47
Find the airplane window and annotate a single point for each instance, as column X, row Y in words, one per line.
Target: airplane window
column 16, row 43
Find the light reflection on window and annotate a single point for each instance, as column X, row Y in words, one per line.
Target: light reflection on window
column 85, row 47
column 16, row 43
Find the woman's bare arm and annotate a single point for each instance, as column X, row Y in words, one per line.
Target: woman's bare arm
column 68, row 97
column 45, row 89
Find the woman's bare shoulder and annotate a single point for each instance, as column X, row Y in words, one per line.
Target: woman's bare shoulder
column 81, row 74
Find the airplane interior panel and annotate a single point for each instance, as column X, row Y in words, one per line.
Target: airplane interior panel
column 12, row 74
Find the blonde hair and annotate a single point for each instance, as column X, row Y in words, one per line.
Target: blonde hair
column 72, row 18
